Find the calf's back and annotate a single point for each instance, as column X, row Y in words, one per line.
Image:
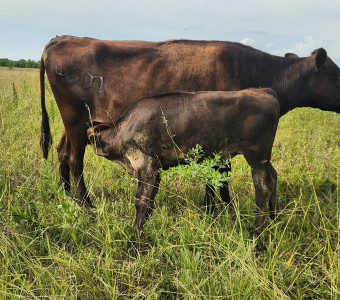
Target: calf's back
column 240, row 122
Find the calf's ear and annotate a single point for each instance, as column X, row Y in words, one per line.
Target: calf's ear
column 320, row 58
column 97, row 127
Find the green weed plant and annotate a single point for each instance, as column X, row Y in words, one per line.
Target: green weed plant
column 200, row 168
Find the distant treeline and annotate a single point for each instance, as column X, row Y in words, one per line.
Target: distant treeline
column 22, row 63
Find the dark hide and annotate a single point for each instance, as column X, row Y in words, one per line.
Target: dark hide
column 102, row 78
column 241, row 122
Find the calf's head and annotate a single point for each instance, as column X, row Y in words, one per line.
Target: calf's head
column 100, row 136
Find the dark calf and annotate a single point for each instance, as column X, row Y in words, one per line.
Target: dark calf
column 241, row 122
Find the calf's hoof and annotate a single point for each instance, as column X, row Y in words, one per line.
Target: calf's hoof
column 209, row 209
column 137, row 227
column 256, row 231
column 272, row 214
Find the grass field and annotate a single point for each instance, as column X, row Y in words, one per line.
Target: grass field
column 51, row 248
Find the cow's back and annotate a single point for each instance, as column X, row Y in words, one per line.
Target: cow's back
column 111, row 75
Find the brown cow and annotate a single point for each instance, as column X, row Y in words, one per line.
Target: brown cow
column 241, row 122
column 105, row 77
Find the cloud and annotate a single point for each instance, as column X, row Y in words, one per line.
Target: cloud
column 247, row 41
column 302, row 48
column 306, row 45
column 269, row 45
column 273, row 26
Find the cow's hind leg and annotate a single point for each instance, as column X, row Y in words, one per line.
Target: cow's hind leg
column 64, row 152
column 264, row 186
column 71, row 160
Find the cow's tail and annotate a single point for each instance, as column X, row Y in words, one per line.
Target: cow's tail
column 45, row 135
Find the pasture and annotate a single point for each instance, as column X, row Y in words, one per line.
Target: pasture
column 50, row 248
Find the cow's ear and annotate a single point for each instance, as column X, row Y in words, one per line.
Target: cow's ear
column 291, row 55
column 320, row 58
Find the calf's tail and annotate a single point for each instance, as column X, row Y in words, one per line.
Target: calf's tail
column 45, row 135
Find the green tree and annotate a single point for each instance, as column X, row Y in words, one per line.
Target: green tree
column 22, row 63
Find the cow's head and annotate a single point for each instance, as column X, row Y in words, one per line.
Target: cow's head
column 100, row 136
column 323, row 87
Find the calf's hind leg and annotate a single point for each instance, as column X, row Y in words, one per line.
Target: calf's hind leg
column 209, row 201
column 273, row 202
column 265, row 184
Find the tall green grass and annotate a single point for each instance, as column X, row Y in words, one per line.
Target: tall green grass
column 51, row 248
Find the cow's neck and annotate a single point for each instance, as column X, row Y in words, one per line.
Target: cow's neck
column 290, row 85
column 286, row 76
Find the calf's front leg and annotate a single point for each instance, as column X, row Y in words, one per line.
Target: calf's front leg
column 144, row 202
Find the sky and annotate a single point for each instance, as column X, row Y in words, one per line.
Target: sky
column 274, row 26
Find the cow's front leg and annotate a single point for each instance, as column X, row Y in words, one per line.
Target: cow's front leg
column 76, row 164
column 144, row 202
